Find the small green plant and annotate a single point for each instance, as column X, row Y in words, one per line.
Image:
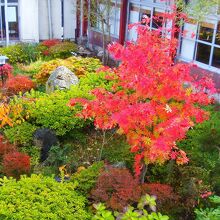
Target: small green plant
column 87, row 178
column 210, row 213
column 131, row 213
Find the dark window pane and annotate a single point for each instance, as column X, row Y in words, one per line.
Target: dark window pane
column 216, row 58
column 203, row 53
column 217, row 38
column 157, row 19
column 206, row 32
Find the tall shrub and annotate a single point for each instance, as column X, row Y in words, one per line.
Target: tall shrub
column 154, row 102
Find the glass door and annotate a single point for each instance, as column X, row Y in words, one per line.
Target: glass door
column 13, row 22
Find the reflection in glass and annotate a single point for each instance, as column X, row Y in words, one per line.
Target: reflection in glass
column 144, row 14
column 216, row 58
column 203, row 53
column 133, row 18
column 157, row 19
column 206, row 32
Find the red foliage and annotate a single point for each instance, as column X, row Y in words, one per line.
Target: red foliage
column 153, row 101
column 50, row 43
column 5, row 147
column 18, row 83
column 16, row 163
column 117, row 188
column 166, row 197
column 46, row 53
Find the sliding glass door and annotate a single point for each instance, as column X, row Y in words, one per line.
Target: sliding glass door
column 9, row 25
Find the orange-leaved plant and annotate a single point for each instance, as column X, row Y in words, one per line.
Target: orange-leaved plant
column 154, row 101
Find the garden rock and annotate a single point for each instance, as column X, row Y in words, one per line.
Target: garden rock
column 61, row 78
column 45, row 139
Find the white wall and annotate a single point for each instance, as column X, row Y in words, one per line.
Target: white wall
column 28, row 20
column 34, row 19
column 69, row 19
column 56, row 19
column 43, row 20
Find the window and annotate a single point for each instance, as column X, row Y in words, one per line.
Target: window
column 204, row 47
column 12, row 18
column 112, row 13
column 154, row 9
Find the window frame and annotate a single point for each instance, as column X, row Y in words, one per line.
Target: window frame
column 212, row 45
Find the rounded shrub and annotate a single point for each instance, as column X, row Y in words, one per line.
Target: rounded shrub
column 62, row 50
column 18, row 83
column 38, row 197
column 15, row 163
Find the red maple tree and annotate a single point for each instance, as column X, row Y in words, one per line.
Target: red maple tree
column 154, row 101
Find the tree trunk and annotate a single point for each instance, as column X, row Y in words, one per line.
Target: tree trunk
column 143, row 173
column 103, row 42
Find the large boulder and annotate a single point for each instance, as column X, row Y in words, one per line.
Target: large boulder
column 61, row 78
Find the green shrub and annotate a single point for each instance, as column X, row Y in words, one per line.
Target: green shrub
column 39, row 198
column 62, row 50
column 117, row 150
column 30, row 70
column 21, row 134
column 87, row 178
column 31, row 52
column 33, row 152
column 20, row 53
column 51, row 111
column 59, row 155
column 203, row 141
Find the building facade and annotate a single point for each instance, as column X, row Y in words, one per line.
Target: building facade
column 200, row 44
column 34, row 20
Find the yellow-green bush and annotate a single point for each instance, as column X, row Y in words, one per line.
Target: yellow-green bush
column 62, row 50
column 31, row 69
column 20, row 53
column 38, row 197
column 79, row 66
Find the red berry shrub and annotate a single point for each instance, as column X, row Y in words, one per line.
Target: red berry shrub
column 16, row 163
column 117, row 188
column 18, row 83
